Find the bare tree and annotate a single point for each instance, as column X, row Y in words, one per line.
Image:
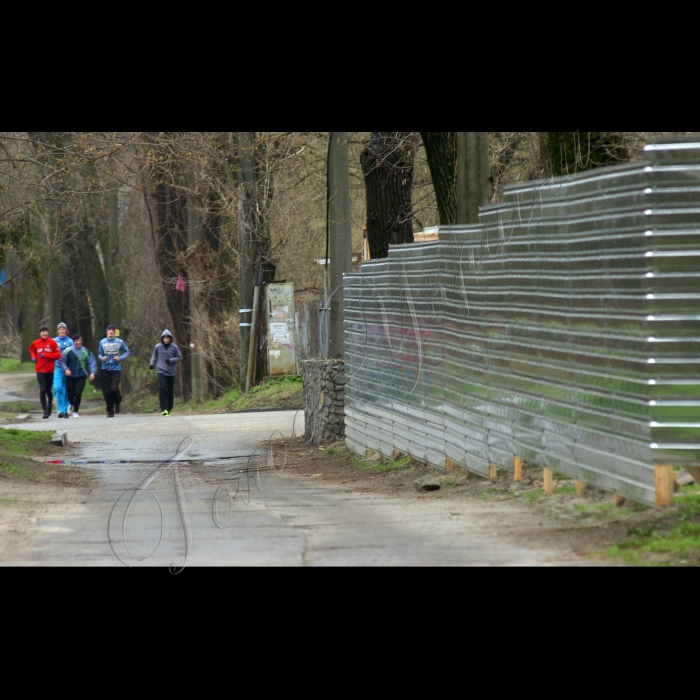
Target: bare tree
column 388, row 164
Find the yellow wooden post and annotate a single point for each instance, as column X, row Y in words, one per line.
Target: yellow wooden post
column 548, row 481
column 518, row 469
column 663, row 476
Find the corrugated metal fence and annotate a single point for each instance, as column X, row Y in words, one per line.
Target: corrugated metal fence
column 563, row 329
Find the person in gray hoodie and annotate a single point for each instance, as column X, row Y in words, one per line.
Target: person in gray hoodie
column 165, row 355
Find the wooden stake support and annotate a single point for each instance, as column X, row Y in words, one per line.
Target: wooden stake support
column 693, row 471
column 580, row 488
column 619, row 500
column 469, row 474
column 663, row 476
column 368, row 454
column 493, row 472
column 398, row 454
column 548, row 481
column 449, row 465
column 518, row 469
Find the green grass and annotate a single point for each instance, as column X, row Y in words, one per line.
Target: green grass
column 24, row 442
column 671, row 540
column 14, row 470
column 535, row 495
column 597, row 508
column 390, row 465
column 13, row 364
column 565, row 491
column 16, row 407
column 273, row 393
column 490, row 492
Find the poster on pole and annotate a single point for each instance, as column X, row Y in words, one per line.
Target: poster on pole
column 281, row 345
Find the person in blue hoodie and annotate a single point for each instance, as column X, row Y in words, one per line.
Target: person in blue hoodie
column 63, row 341
column 77, row 364
column 113, row 351
column 165, row 356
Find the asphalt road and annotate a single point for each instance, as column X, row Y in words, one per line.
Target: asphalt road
column 226, row 516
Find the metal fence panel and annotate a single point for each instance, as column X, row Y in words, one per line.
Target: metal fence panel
column 563, row 329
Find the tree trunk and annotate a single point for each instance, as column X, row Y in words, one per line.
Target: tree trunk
column 388, row 164
column 339, row 234
column 568, row 152
column 441, row 152
column 256, row 263
column 29, row 311
column 169, row 213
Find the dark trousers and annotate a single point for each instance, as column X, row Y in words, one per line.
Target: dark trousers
column 110, row 388
column 45, row 380
column 74, row 389
column 166, row 386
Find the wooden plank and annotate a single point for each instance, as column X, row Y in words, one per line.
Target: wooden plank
column 580, row 488
column 693, row 471
column 398, row 454
column 663, row 476
column 425, row 237
column 518, row 469
column 449, row 465
column 368, row 454
column 493, row 472
column 548, row 481
column 619, row 500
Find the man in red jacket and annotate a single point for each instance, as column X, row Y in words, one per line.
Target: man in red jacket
column 45, row 352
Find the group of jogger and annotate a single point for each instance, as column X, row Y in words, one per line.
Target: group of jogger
column 63, row 365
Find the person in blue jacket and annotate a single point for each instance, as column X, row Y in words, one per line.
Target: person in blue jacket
column 113, row 351
column 77, row 364
column 165, row 356
column 63, row 341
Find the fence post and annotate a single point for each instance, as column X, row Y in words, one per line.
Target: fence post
column 663, row 476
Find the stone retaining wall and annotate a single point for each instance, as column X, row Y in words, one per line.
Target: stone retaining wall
column 324, row 400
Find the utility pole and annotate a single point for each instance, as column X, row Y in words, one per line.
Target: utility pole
column 245, row 248
column 192, row 237
column 340, row 234
column 473, row 175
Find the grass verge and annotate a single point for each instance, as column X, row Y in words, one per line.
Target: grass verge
column 671, row 539
column 14, row 364
column 274, row 392
column 16, row 446
column 374, row 465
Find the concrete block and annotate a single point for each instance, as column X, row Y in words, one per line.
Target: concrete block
column 60, row 437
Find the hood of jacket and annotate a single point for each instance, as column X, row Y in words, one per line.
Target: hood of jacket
column 164, row 333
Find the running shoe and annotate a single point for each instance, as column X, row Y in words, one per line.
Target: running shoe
column 165, row 413
column 118, row 408
column 110, row 414
column 76, row 415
